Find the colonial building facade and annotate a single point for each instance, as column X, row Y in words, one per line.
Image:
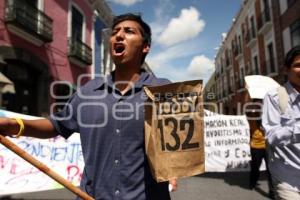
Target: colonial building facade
column 260, row 36
column 46, row 45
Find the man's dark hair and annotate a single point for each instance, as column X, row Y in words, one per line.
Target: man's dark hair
column 146, row 30
column 290, row 56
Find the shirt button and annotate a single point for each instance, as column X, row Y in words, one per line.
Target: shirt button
column 117, row 192
column 116, row 162
column 118, row 131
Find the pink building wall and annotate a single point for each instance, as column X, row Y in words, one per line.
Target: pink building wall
column 33, row 68
column 55, row 53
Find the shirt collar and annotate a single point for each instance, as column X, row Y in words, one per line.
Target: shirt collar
column 294, row 94
column 144, row 80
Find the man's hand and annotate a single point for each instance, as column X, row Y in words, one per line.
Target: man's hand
column 173, row 185
column 8, row 126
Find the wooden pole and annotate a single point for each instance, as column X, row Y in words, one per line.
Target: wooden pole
column 23, row 154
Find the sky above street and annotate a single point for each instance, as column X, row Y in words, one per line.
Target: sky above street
column 185, row 33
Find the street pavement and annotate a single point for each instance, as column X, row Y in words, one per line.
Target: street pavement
column 220, row 186
column 209, row 186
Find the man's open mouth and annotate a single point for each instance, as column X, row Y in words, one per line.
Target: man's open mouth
column 119, row 48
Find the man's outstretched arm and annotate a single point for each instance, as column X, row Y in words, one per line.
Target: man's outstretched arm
column 40, row 128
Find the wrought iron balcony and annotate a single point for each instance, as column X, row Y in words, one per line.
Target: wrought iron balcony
column 264, row 21
column 78, row 51
column 237, row 52
column 251, row 36
column 25, row 18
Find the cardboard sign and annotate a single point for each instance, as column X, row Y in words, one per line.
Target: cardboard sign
column 174, row 130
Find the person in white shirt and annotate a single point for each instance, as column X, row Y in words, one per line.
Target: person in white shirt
column 282, row 129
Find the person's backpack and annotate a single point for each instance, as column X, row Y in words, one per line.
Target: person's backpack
column 283, row 98
column 283, row 103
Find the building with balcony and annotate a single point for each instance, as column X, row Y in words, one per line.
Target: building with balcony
column 261, row 34
column 46, row 45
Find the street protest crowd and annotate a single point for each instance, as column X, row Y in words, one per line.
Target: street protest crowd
column 114, row 152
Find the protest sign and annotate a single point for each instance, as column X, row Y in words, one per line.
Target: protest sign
column 63, row 156
column 259, row 85
column 227, row 141
column 174, row 130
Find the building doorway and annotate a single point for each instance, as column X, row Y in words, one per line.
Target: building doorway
column 25, row 79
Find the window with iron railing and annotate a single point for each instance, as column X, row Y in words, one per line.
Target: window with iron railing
column 295, row 33
column 77, row 24
column 239, row 45
column 80, row 51
column 252, row 27
column 251, row 34
column 77, row 48
column 264, row 17
column 27, row 17
column 235, row 50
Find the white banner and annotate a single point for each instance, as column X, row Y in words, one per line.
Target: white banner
column 226, row 143
column 226, row 149
column 62, row 156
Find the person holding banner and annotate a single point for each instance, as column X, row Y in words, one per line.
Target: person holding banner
column 108, row 112
column 281, row 121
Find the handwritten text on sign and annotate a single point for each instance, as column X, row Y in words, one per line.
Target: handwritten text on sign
column 226, row 143
column 64, row 157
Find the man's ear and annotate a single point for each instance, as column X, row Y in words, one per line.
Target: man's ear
column 146, row 48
